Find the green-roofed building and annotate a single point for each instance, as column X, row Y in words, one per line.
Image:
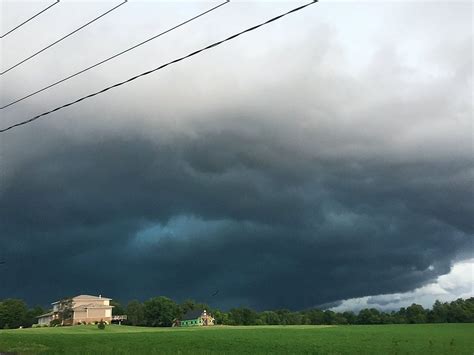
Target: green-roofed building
column 196, row 318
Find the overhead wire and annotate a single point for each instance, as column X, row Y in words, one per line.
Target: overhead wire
column 63, row 38
column 215, row 44
column 28, row 20
column 113, row 56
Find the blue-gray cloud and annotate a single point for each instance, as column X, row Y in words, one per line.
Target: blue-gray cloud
column 289, row 176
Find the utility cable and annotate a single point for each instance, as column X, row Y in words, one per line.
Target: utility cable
column 63, row 38
column 112, row 57
column 215, row 44
column 31, row 18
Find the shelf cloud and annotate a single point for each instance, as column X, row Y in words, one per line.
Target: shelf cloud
column 298, row 173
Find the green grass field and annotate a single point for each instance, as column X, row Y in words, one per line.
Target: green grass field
column 382, row 339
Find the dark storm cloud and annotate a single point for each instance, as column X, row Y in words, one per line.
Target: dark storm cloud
column 267, row 226
column 319, row 167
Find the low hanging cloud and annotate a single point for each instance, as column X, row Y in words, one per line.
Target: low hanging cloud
column 458, row 283
column 314, row 185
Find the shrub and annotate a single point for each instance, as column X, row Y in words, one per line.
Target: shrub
column 55, row 323
column 101, row 325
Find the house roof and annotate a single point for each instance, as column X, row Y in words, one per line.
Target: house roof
column 89, row 297
column 45, row 315
column 192, row 314
column 86, row 297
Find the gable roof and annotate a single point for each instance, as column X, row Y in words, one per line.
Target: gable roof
column 192, row 314
column 85, row 297
column 45, row 315
column 89, row 297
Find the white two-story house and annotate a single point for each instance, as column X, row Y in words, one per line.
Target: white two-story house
column 85, row 309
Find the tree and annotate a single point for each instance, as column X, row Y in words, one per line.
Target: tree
column 461, row 311
column 270, row 318
column 160, row 312
column 135, row 313
column 368, row 316
column 350, row 317
column 416, row 314
column 13, row 313
column 32, row 314
column 315, row 316
column 118, row 308
column 65, row 311
column 242, row 316
column 191, row 305
column 439, row 313
column 220, row 317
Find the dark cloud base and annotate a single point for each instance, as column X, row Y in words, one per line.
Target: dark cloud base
column 266, row 225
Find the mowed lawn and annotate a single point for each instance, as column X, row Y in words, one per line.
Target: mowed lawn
column 360, row 339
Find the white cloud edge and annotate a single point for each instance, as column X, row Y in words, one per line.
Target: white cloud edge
column 458, row 283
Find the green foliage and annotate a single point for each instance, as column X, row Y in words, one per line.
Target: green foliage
column 369, row 316
column 160, row 312
column 101, row 325
column 270, row 318
column 65, row 311
column 135, row 313
column 242, row 316
column 416, row 314
column 13, row 314
column 118, row 308
column 32, row 314
column 55, row 323
column 315, row 316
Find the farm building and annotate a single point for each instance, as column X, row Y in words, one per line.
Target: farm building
column 196, row 318
column 84, row 309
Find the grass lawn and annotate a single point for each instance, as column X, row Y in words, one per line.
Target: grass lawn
column 360, row 339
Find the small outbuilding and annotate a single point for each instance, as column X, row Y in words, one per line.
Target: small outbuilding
column 196, row 318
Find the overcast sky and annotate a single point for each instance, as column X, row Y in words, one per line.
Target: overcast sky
column 325, row 159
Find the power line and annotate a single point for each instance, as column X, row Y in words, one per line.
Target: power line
column 215, row 44
column 31, row 18
column 63, row 38
column 112, row 57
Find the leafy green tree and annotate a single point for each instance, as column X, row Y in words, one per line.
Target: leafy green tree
column 160, row 312
column 191, row 305
column 461, row 311
column 270, row 318
column 135, row 313
column 118, row 308
column 220, row 317
column 13, row 313
column 242, row 316
column 32, row 314
column 439, row 312
column 289, row 318
column 316, row 316
column 65, row 311
column 368, row 316
column 350, row 317
column 415, row 314
column 339, row 319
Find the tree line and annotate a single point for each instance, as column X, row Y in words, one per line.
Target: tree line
column 162, row 311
